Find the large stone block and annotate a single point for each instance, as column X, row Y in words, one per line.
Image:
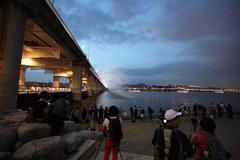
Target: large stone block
column 7, row 138
column 48, row 148
column 32, row 131
column 70, row 126
column 74, row 139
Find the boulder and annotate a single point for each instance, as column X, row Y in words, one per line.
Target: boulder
column 5, row 155
column 48, row 148
column 32, row 131
column 70, row 126
column 94, row 135
column 7, row 138
column 74, row 139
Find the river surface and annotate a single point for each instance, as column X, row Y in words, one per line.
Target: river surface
column 166, row 99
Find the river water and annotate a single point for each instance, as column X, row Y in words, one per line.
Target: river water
column 166, row 99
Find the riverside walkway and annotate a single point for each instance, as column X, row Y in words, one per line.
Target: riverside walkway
column 136, row 142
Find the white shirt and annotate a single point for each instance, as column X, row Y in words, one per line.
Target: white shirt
column 106, row 122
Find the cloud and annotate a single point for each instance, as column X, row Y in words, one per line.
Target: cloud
column 191, row 19
column 186, row 72
column 95, row 24
column 209, row 31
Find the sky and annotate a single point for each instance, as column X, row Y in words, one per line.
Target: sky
column 161, row 42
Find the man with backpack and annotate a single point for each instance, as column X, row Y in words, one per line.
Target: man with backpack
column 207, row 145
column 169, row 142
column 112, row 127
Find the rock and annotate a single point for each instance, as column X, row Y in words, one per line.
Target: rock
column 48, row 148
column 70, row 126
column 16, row 145
column 32, row 131
column 74, row 139
column 7, row 138
column 94, row 135
column 5, row 155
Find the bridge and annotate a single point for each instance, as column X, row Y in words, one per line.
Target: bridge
column 33, row 36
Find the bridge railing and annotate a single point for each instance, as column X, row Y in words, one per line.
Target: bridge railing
column 38, row 89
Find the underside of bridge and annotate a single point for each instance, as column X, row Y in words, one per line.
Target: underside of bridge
column 33, row 36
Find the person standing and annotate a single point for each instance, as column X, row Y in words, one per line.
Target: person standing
column 206, row 142
column 131, row 112
column 150, row 112
column 169, row 142
column 100, row 113
column 112, row 128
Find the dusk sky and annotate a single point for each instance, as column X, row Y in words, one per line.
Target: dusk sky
column 192, row 42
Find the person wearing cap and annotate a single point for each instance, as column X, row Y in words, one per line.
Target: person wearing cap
column 169, row 142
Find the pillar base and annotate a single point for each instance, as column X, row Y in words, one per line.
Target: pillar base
column 77, row 96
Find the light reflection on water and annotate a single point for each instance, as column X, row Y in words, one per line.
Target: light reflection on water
column 165, row 99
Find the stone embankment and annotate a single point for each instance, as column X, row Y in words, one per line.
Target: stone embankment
column 27, row 141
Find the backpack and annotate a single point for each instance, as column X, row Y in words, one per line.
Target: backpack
column 181, row 154
column 115, row 129
column 215, row 150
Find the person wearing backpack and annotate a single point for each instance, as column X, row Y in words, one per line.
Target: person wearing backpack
column 169, row 142
column 207, row 145
column 112, row 127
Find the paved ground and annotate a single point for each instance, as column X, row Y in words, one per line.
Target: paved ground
column 138, row 136
column 126, row 156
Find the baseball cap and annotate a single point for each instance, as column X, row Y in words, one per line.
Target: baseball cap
column 171, row 114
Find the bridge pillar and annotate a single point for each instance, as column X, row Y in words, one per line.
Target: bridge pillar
column 77, row 82
column 12, row 58
column 90, row 85
column 56, row 82
column 70, row 82
column 21, row 81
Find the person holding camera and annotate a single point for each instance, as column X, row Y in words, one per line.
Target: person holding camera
column 169, row 142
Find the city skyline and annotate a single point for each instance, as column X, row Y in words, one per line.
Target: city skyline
column 157, row 42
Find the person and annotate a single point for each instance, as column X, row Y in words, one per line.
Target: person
column 41, row 113
column 135, row 112
column 95, row 113
column 230, row 111
column 142, row 113
column 100, row 113
column 194, row 122
column 125, row 115
column 206, row 142
column 169, row 142
column 106, row 112
column 150, row 112
column 83, row 114
column 60, row 107
column 41, row 108
column 112, row 128
column 131, row 112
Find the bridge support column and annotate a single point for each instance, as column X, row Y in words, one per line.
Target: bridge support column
column 56, row 82
column 21, row 81
column 70, row 82
column 77, row 82
column 90, row 85
column 12, row 58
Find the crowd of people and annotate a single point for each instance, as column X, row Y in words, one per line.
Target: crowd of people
column 168, row 141
column 213, row 110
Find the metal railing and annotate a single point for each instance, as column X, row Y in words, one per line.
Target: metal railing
column 38, row 89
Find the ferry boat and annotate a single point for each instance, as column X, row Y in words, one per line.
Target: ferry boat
column 134, row 91
column 182, row 91
column 218, row 91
